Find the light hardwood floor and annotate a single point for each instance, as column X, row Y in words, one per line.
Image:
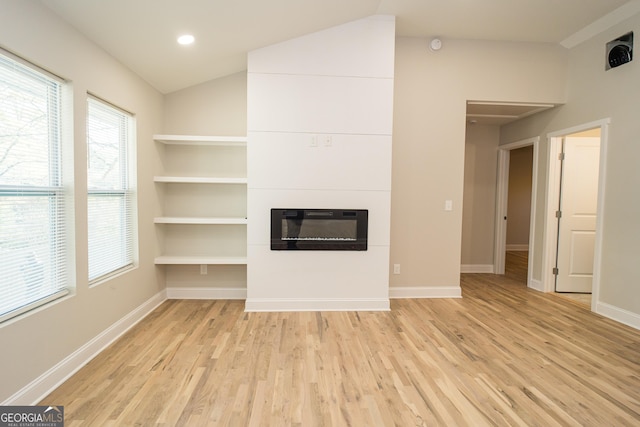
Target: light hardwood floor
column 501, row 355
column 516, row 264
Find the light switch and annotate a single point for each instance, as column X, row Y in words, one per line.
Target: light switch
column 314, row 141
column 448, row 205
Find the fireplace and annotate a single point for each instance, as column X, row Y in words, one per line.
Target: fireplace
column 319, row 229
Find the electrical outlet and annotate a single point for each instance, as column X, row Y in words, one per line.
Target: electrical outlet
column 396, row 268
column 203, row 269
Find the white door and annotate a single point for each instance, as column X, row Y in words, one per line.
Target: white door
column 577, row 223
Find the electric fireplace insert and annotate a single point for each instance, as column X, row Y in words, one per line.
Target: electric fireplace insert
column 319, row 229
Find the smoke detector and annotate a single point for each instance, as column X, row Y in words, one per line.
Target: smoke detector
column 435, row 44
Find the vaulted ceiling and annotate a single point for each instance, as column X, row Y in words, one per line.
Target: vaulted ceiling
column 142, row 33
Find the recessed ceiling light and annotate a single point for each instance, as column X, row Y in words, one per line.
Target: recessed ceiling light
column 186, row 39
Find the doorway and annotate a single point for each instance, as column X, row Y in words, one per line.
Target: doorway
column 502, row 212
column 556, row 240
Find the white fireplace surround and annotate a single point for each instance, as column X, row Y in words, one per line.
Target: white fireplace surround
column 320, row 112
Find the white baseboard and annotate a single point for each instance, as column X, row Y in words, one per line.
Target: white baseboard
column 476, row 268
column 267, row 304
column 537, row 285
column 207, row 293
column 398, row 292
column 517, row 247
column 618, row 314
column 35, row 391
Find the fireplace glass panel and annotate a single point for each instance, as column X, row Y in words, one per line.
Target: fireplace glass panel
column 318, row 229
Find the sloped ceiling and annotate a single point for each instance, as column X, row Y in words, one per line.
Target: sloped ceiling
column 142, row 33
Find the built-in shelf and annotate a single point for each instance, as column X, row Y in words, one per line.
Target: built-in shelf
column 199, row 180
column 192, row 159
column 201, row 140
column 202, row 220
column 195, row 260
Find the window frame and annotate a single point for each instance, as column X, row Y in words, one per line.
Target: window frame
column 126, row 193
column 57, row 274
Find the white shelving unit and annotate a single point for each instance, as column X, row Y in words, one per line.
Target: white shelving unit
column 204, row 195
column 194, row 220
column 201, row 140
column 194, row 260
column 200, row 180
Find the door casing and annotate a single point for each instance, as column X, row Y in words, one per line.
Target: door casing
column 550, row 234
column 502, row 190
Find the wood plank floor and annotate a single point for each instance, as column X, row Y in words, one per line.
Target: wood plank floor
column 501, row 355
column 516, row 264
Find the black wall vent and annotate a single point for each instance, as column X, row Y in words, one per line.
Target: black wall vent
column 619, row 51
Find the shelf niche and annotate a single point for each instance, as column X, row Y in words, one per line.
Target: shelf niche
column 204, row 200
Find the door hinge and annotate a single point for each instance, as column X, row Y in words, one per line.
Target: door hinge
column 560, row 156
column 555, row 271
column 558, row 214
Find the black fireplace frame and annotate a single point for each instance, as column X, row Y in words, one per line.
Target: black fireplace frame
column 359, row 243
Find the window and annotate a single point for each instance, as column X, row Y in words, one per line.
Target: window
column 33, row 251
column 110, row 198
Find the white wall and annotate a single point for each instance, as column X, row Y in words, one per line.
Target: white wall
column 430, row 95
column 479, row 199
column 216, row 107
column 33, row 344
column 595, row 94
column 336, row 83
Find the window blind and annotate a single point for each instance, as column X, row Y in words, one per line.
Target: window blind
column 33, row 249
column 110, row 199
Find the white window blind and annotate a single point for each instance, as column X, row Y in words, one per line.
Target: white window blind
column 110, row 198
column 33, row 252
